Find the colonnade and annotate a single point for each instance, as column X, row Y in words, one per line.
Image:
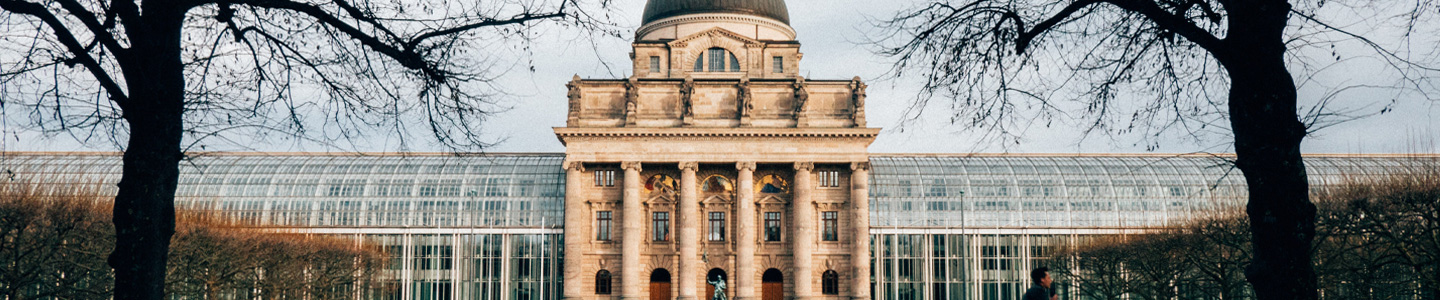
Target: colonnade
column 803, row 241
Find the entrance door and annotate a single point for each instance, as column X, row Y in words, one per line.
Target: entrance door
column 772, row 285
column 660, row 285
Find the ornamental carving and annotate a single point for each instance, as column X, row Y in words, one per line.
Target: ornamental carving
column 687, row 102
column 632, row 95
column 575, row 166
column 631, row 165
column 744, row 98
column 574, row 94
column 804, row 166
column 802, row 95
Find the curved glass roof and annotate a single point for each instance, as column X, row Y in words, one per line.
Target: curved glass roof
column 527, row 190
column 1112, row 191
column 345, row 190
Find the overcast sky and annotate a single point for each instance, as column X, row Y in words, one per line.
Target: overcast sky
column 830, row 32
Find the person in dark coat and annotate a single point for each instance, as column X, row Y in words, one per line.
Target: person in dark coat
column 1041, row 289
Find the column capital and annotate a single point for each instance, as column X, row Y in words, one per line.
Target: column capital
column 575, row 166
column 804, row 166
column 860, row 166
column 631, row 165
column 745, row 166
column 689, row 166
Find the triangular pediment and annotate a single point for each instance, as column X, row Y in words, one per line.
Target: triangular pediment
column 714, row 34
column 661, row 199
column 716, row 200
column 771, row 199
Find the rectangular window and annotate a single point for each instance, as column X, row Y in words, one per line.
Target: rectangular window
column 602, row 225
column 779, row 64
column 717, row 226
column 829, row 178
column 717, row 59
column 937, row 188
column 661, row 225
column 772, row 226
column 654, row 64
column 605, row 178
column 831, row 221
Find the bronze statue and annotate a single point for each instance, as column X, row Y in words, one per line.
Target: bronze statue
column 719, row 284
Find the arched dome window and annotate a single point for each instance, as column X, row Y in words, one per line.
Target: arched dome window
column 717, row 60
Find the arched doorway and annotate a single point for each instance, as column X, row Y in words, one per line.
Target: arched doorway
column 772, row 285
column 660, row 284
column 716, row 274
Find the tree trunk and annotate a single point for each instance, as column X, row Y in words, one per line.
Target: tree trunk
column 1267, row 145
column 145, row 205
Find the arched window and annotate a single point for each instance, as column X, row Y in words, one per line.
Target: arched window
column 602, row 283
column 772, row 184
column 717, row 60
column 661, row 183
column 830, row 283
column 716, row 184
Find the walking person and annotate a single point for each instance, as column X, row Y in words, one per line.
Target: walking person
column 1041, row 289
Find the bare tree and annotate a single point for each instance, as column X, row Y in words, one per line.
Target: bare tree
column 155, row 75
column 995, row 58
column 51, row 241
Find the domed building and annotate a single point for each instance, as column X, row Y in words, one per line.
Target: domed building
column 721, row 145
column 716, row 39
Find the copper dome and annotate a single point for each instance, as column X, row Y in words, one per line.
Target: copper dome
column 660, row 9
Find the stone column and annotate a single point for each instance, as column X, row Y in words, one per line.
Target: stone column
column 688, row 223
column 631, row 269
column 576, row 220
column 745, row 223
column 803, row 209
column 860, row 221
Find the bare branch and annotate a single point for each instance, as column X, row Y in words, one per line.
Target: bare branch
column 68, row 39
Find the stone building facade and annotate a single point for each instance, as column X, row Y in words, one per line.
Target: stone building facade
column 716, row 163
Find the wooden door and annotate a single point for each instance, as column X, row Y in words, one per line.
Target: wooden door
column 659, row 291
column 772, row 291
column 709, row 292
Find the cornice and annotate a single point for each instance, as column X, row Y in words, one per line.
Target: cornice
column 669, row 132
column 712, row 17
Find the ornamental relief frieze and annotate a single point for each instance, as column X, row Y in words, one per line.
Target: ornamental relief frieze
column 830, row 206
